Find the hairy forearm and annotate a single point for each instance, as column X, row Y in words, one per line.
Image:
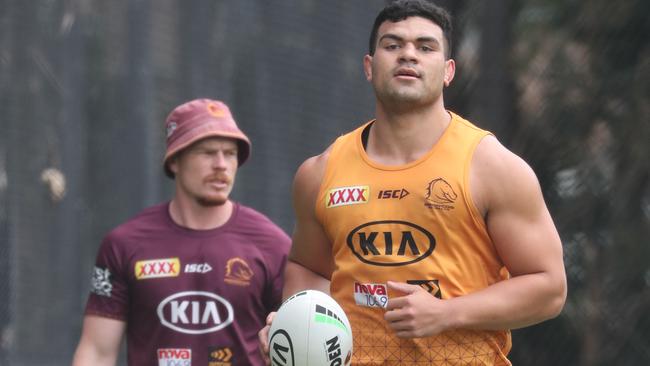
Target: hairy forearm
column 514, row 303
column 298, row 277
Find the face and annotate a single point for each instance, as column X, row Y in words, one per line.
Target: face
column 409, row 66
column 205, row 171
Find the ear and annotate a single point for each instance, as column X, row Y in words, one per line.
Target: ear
column 173, row 164
column 450, row 71
column 367, row 67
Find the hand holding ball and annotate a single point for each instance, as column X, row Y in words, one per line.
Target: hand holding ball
column 310, row 329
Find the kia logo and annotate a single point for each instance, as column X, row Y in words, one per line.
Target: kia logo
column 195, row 312
column 390, row 243
column 281, row 348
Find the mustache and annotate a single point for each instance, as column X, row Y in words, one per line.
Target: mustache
column 219, row 177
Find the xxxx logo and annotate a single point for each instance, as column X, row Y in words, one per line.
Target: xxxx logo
column 347, row 196
column 157, row 268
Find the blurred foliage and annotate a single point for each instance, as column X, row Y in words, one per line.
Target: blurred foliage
column 85, row 84
column 583, row 70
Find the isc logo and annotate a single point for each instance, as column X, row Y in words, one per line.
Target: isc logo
column 392, row 193
column 197, row 268
column 195, row 312
column 390, row 243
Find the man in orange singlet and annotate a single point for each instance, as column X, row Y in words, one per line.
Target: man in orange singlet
column 438, row 238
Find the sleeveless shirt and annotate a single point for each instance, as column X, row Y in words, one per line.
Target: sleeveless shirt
column 414, row 223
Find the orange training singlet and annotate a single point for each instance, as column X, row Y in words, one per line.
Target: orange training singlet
column 414, row 223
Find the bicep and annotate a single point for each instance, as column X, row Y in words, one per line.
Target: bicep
column 310, row 247
column 523, row 232
column 100, row 341
column 516, row 216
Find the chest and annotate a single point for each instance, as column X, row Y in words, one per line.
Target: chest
column 197, row 282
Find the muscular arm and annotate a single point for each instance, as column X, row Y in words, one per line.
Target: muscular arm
column 310, row 260
column 526, row 239
column 100, row 341
column 507, row 192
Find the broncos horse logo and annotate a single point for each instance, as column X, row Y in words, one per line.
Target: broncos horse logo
column 440, row 192
column 238, row 272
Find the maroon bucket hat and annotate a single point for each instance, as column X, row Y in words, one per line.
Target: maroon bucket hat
column 198, row 119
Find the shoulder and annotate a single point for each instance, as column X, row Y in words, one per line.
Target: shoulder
column 310, row 174
column 255, row 218
column 464, row 123
column 312, row 170
column 499, row 176
column 257, row 223
column 492, row 153
column 145, row 220
column 259, row 234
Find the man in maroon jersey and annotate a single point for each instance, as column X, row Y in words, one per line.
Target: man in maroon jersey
column 189, row 281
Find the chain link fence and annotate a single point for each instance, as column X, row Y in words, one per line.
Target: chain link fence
column 85, row 87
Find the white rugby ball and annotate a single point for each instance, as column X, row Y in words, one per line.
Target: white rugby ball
column 310, row 329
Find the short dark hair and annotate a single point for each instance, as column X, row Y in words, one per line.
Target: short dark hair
column 399, row 10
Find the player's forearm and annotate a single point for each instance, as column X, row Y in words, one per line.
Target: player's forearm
column 514, row 303
column 298, row 277
column 100, row 341
column 89, row 356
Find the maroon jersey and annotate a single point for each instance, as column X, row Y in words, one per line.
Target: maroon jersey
column 190, row 297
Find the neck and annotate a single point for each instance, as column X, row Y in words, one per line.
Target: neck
column 400, row 137
column 195, row 216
